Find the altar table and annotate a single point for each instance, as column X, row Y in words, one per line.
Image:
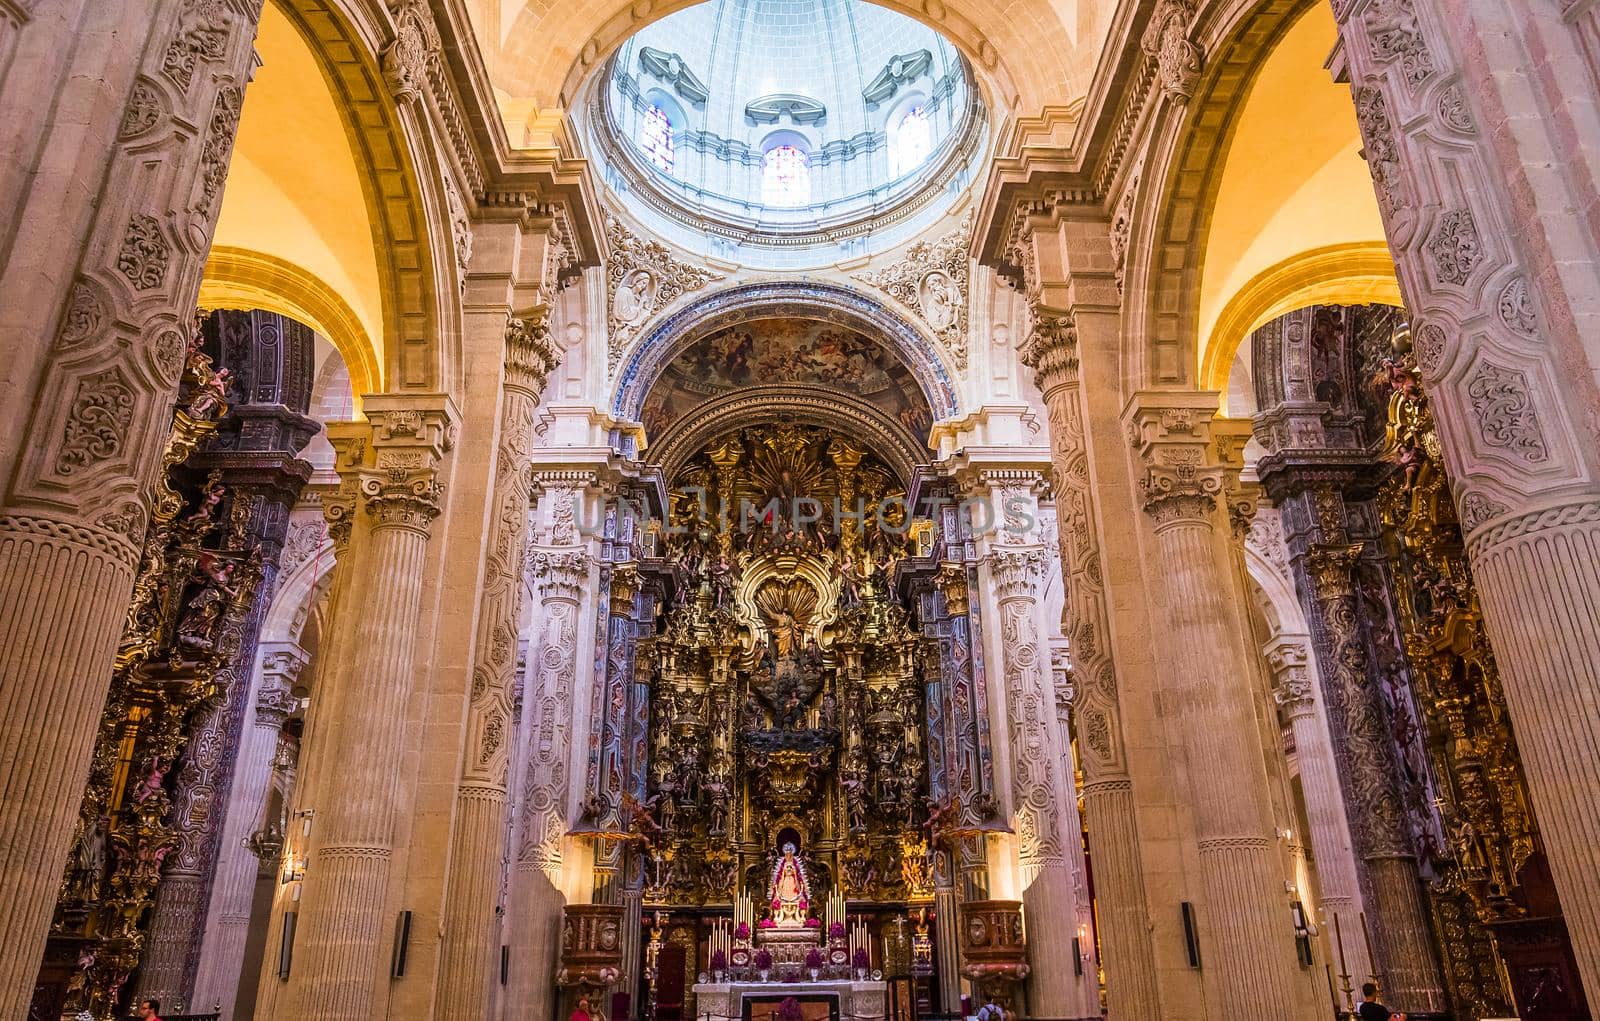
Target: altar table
column 844, row 1000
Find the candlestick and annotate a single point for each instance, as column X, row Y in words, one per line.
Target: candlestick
column 1372, row 958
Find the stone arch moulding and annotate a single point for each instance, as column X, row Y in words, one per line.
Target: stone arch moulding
column 382, row 141
column 1188, row 151
column 241, row 278
column 760, row 405
column 823, row 302
column 1353, row 274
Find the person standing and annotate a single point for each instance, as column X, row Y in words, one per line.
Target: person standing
column 1371, row 1009
column 148, row 1010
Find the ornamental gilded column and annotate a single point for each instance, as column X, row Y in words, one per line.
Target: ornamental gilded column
column 255, row 459
column 1128, row 952
column 545, row 790
column 1042, row 797
column 1401, row 933
column 345, row 931
column 1248, row 939
column 1460, row 108
column 1289, row 659
column 114, row 217
column 469, row 951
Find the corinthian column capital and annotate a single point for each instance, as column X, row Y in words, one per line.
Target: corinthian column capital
column 390, row 463
column 1017, row 571
column 1291, row 680
column 530, row 353
column 1172, row 436
column 560, row 574
column 1051, row 348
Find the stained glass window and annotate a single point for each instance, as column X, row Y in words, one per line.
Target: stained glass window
column 910, row 141
column 785, row 178
column 655, row 138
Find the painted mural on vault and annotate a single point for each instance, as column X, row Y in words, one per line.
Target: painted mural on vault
column 801, row 351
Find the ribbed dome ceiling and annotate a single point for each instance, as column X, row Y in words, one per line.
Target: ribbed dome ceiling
column 828, row 51
column 788, row 122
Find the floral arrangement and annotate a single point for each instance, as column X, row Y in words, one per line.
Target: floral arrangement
column 719, row 961
column 862, row 960
column 813, row 923
column 763, row 959
column 836, row 930
column 766, row 923
column 814, row 959
column 789, row 1010
column 743, row 931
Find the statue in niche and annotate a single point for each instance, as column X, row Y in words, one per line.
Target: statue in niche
column 789, row 893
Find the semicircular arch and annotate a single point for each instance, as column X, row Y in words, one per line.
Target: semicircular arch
column 805, row 405
column 822, row 302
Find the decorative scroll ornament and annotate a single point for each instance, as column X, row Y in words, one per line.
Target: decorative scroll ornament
column 414, row 54
column 203, row 27
column 1455, row 247
column 931, row 280
column 102, row 409
column 143, row 110
column 1378, row 146
column 144, row 254
column 1502, row 400
column 1293, row 687
column 1178, row 59
column 642, row 277
column 218, row 148
column 1396, row 34
column 670, row 68
column 1178, row 488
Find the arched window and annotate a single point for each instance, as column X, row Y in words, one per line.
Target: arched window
column 655, row 138
column 910, row 141
column 785, row 177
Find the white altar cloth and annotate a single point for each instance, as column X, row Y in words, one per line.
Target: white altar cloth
column 858, row 1001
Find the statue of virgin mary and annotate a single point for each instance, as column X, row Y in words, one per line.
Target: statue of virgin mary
column 790, row 893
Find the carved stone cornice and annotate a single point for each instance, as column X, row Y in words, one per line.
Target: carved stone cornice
column 1051, row 349
column 530, row 354
column 1017, row 571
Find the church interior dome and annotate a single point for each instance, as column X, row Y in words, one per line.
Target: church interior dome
column 787, row 131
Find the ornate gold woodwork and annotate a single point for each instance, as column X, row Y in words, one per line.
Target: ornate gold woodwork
column 785, row 691
column 1484, row 804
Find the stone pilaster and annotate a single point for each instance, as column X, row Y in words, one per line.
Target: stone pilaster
column 1108, row 804
column 1043, row 801
column 1459, row 105
column 128, row 115
column 1290, row 662
column 343, row 941
column 1247, row 940
column 469, row 950
column 227, row 919
column 545, row 790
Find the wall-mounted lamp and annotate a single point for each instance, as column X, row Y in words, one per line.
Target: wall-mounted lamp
column 294, row 869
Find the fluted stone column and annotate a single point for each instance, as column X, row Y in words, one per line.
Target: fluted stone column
column 96, row 293
column 1044, row 808
column 233, row 890
column 469, row 951
column 1289, row 659
column 1127, row 949
column 344, row 935
column 1248, row 939
column 1467, row 116
column 545, row 789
